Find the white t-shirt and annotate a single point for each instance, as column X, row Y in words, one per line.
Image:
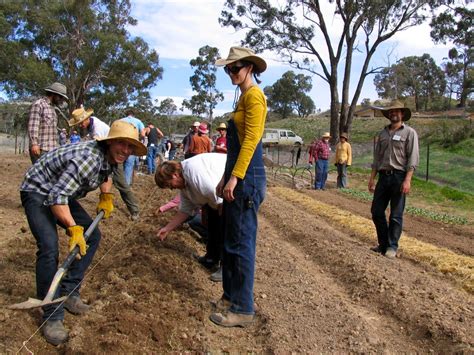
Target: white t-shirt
column 201, row 174
column 100, row 128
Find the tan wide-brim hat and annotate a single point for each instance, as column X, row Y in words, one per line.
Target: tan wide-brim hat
column 395, row 104
column 241, row 53
column 126, row 131
column 57, row 88
column 344, row 135
column 326, row 135
column 221, row 126
column 79, row 115
column 196, row 124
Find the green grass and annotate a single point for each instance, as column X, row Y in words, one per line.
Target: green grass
column 416, row 211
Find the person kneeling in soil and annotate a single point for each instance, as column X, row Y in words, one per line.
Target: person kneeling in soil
column 49, row 196
column 197, row 179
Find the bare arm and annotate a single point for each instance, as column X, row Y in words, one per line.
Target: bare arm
column 178, row 219
column 63, row 215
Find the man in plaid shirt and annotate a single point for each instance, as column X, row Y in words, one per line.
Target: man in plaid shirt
column 319, row 152
column 43, row 121
column 49, row 195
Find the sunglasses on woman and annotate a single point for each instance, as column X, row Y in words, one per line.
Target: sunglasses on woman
column 234, row 69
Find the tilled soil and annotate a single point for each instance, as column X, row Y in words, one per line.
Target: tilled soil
column 318, row 288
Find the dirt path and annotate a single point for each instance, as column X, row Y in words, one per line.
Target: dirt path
column 318, row 288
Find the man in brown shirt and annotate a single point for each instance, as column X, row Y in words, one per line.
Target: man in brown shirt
column 396, row 157
column 200, row 143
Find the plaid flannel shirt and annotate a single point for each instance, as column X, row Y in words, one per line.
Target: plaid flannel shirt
column 42, row 125
column 68, row 172
column 320, row 150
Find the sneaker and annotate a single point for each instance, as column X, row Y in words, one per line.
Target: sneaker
column 222, row 304
column 231, row 319
column 391, row 253
column 135, row 216
column 217, row 276
column 54, row 332
column 75, row 305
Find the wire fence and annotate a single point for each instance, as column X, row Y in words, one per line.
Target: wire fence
column 438, row 165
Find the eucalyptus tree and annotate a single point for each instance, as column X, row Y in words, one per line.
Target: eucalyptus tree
column 303, row 35
column 288, row 95
column 203, row 83
column 456, row 24
column 415, row 76
column 83, row 44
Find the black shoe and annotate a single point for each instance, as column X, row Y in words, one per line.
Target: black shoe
column 377, row 249
column 208, row 263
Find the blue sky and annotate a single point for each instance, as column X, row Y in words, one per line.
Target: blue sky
column 176, row 29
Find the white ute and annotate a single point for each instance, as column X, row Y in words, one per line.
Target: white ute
column 281, row 136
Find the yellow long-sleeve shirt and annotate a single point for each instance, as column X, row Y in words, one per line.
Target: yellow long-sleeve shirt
column 249, row 118
column 343, row 153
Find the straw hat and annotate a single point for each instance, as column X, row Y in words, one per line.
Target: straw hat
column 203, row 128
column 394, row 105
column 57, row 88
column 241, row 53
column 344, row 135
column 79, row 115
column 126, row 131
column 221, row 126
column 326, row 135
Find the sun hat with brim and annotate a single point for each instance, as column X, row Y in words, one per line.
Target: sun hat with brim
column 241, row 53
column 326, row 135
column 221, row 126
column 203, row 128
column 125, row 131
column 57, row 88
column 196, row 124
column 79, row 115
column 344, row 135
column 394, row 105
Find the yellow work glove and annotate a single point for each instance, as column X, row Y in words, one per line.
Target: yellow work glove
column 76, row 234
column 106, row 203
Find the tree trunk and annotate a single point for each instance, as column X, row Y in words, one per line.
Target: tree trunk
column 334, row 126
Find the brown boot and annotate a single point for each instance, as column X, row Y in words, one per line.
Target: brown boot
column 54, row 332
column 222, row 304
column 231, row 319
column 75, row 305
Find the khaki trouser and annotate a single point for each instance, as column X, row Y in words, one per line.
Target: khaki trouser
column 118, row 178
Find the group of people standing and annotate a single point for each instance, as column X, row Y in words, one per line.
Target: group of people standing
column 229, row 183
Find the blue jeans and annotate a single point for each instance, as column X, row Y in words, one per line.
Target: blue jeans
column 341, row 176
column 150, row 159
column 388, row 190
column 322, row 167
column 128, row 166
column 43, row 227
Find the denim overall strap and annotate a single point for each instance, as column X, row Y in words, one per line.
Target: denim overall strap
column 241, row 226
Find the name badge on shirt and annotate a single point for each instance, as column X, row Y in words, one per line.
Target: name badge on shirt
column 396, row 137
column 152, row 145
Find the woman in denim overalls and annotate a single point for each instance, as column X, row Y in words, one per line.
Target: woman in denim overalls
column 243, row 189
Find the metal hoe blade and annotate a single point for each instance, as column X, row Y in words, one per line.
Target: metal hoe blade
column 33, row 302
